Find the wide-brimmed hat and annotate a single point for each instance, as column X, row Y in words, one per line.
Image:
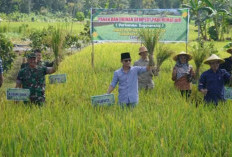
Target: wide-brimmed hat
column 125, row 55
column 142, row 49
column 182, row 53
column 213, row 57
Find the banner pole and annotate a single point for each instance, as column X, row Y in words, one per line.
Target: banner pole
column 187, row 32
column 91, row 33
column 92, row 54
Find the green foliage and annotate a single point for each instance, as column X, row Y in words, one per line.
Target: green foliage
column 163, row 53
column 80, row 16
column 85, row 34
column 6, row 53
column 200, row 52
column 213, row 33
column 150, row 38
column 71, row 40
column 57, row 43
column 39, row 39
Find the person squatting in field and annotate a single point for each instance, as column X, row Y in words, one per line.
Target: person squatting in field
column 1, row 73
column 127, row 77
column 212, row 81
column 183, row 73
column 32, row 77
column 145, row 79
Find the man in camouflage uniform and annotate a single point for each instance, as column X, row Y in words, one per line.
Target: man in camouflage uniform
column 32, row 77
column 145, row 79
column 39, row 60
column 1, row 73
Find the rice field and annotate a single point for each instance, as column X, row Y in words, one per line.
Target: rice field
column 163, row 123
column 15, row 31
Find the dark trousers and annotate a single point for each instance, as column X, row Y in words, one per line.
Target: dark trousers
column 186, row 93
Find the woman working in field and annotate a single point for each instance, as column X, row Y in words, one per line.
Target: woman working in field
column 183, row 73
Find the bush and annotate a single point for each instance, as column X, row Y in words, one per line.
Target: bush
column 6, row 54
column 213, row 33
column 85, row 34
column 80, row 16
column 40, row 38
column 71, row 40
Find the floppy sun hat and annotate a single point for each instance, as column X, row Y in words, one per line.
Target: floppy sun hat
column 189, row 57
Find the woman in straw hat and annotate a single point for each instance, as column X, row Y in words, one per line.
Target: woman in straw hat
column 227, row 65
column 212, row 81
column 183, row 73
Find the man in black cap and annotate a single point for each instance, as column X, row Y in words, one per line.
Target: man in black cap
column 127, row 76
column 32, row 77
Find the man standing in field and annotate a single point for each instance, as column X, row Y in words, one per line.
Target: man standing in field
column 32, row 77
column 212, row 81
column 1, row 73
column 127, row 77
column 145, row 79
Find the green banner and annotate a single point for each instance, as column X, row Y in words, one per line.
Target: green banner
column 100, row 100
column 18, row 94
column 123, row 25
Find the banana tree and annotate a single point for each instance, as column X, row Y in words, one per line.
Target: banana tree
column 195, row 6
column 219, row 12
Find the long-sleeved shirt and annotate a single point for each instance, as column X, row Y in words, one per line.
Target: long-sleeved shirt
column 1, row 69
column 227, row 65
column 214, row 83
column 128, row 84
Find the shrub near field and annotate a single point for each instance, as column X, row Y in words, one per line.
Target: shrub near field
column 163, row 123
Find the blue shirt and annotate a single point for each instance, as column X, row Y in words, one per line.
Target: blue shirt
column 1, row 69
column 214, row 83
column 128, row 84
column 227, row 65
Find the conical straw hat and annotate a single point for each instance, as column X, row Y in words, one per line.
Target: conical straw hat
column 182, row 53
column 213, row 57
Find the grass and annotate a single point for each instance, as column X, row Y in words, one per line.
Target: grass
column 163, row 123
column 17, row 30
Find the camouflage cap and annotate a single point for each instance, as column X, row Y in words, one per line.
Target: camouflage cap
column 31, row 55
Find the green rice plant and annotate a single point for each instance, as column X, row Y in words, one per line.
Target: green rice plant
column 150, row 38
column 163, row 53
column 199, row 53
column 57, row 43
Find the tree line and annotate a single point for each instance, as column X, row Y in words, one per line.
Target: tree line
column 73, row 6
